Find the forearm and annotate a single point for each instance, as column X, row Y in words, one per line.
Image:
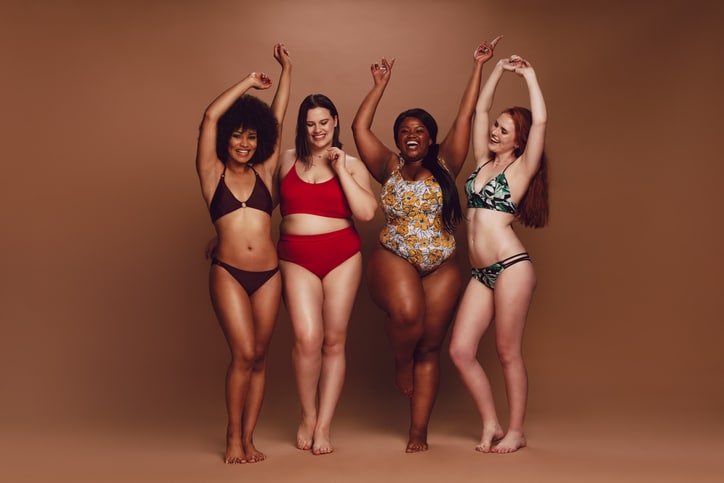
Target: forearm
column 281, row 97
column 470, row 95
column 365, row 114
column 222, row 103
column 537, row 104
column 485, row 100
column 360, row 199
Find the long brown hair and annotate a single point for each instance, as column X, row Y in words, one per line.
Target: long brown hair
column 533, row 206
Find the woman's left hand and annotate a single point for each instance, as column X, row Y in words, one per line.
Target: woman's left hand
column 337, row 158
column 484, row 52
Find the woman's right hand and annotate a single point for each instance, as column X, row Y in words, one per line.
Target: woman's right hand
column 210, row 249
column 260, row 80
column 381, row 71
column 515, row 63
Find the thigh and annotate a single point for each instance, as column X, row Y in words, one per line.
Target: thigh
column 394, row 284
column 265, row 307
column 442, row 293
column 233, row 310
column 513, row 294
column 473, row 317
column 304, row 297
column 340, row 291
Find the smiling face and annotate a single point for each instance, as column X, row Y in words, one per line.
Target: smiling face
column 413, row 139
column 242, row 145
column 502, row 135
column 320, row 125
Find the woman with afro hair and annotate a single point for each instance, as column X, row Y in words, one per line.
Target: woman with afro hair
column 236, row 159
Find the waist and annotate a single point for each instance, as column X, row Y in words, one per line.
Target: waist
column 346, row 231
column 306, row 224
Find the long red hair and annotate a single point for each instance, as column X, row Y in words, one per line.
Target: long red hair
column 533, row 206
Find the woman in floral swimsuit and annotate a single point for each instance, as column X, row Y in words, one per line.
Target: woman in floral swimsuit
column 413, row 273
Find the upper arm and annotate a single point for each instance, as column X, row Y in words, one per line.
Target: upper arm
column 531, row 157
column 374, row 154
column 480, row 136
column 454, row 148
column 207, row 162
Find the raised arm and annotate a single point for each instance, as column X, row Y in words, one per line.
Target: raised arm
column 481, row 122
column 280, row 101
column 454, row 148
column 207, row 162
column 375, row 155
column 536, row 137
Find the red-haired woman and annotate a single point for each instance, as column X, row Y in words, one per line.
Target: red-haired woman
column 508, row 183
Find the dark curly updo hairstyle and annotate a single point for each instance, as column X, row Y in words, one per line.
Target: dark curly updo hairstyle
column 248, row 112
column 452, row 213
column 301, row 141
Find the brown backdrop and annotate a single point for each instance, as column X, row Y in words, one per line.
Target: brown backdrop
column 109, row 348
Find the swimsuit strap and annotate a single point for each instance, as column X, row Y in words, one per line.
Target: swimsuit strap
column 518, row 257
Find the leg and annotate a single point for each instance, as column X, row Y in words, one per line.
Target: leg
column 442, row 291
column 340, row 291
column 473, row 319
column 513, row 293
column 304, row 297
column 233, row 310
column 265, row 307
column 395, row 286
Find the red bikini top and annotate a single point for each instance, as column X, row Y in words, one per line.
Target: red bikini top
column 322, row 199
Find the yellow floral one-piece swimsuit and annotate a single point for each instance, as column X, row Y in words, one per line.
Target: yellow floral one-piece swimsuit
column 414, row 229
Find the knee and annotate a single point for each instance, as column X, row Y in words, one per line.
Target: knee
column 462, row 355
column 259, row 361
column 427, row 352
column 242, row 361
column 509, row 355
column 308, row 345
column 333, row 345
column 404, row 316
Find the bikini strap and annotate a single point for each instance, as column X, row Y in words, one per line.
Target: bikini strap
column 516, row 159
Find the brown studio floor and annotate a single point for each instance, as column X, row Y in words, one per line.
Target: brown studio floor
column 560, row 450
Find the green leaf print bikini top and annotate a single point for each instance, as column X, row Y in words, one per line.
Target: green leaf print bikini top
column 495, row 195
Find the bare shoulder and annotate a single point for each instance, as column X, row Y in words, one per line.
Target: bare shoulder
column 286, row 160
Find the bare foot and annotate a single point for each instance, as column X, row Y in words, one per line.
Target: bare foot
column 234, row 453
column 253, row 455
column 404, row 375
column 416, row 446
column 512, row 441
column 490, row 436
column 322, row 443
column 304, row 434
column 417, row 442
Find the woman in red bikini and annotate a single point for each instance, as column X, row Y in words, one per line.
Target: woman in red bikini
column 321, row 190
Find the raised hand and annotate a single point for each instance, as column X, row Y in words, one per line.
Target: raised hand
column 281, row 54
column 381, row 71
column 260, row 80
column 517, row 64
column 485, row 50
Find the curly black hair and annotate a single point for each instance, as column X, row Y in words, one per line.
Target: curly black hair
column 248, row 112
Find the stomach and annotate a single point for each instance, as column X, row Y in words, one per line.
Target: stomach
column 306, row 224
column 490, row 237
